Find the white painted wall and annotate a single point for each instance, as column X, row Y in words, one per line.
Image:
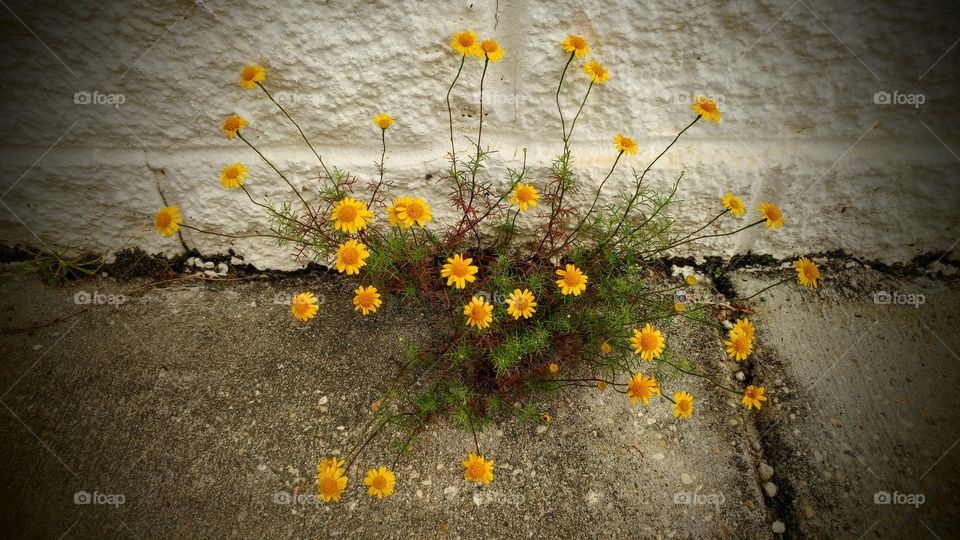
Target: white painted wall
column 796, row 79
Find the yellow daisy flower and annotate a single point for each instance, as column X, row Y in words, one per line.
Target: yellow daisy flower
column 733, row 203
column 572, row 280
column 367, row 300
column 392, row 213
column 553, row 367
column 477, row 469
column 331, row 463
column 772, row 214
column 602, row 386
column 351, row 215
column 304, row 306
column 682, row 404
column 383, row 120
column 648, row 343
column 597, row 73
column 525, row 196
column 492, row 50
column 465, row 43
column 251, row 75
column 739, row 345
column 351, row 257
column 380, row 482
column 678, row 307
column 605, row 347
column 577, row 45
column 690, row 280
column 745, row 327
column 521, row 303
column 413, row 211
column 752, row 397
column 807, row 272
column 546, row 418
column 625, row 144
column 479, row 313
column 642, row 388
column 232, row 125
column 459, row 271
column 232, row 175
column 168, row 220
column 331, row 483
column 707, row 108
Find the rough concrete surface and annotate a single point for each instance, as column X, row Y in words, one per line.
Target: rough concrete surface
column 206, row 406
column 797, row 82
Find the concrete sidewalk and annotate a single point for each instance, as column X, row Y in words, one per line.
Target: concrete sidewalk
column 201, row 409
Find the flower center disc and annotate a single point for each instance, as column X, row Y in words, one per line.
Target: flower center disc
column 348, row 213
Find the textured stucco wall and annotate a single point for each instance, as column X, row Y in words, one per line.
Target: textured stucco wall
column 797, row 80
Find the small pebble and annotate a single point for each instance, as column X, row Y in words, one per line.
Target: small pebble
column 779, row 527
column 686, row 479
column 766, row 471
column 770, row 489
column 740, row 376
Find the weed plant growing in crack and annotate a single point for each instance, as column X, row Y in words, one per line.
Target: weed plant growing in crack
column 542, row 294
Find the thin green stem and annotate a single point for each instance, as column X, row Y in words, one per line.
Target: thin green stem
column 791, row 278
column 476, row 164
column 596, row 198
column 274, row 167
column 563, row 125
column 687, row 241
column 566, row 139
column 265, row 91
column 705, row 226
column 636, row 194
column 383, row 155
column 185, row 226
column 702, row 376
column 453, row 148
